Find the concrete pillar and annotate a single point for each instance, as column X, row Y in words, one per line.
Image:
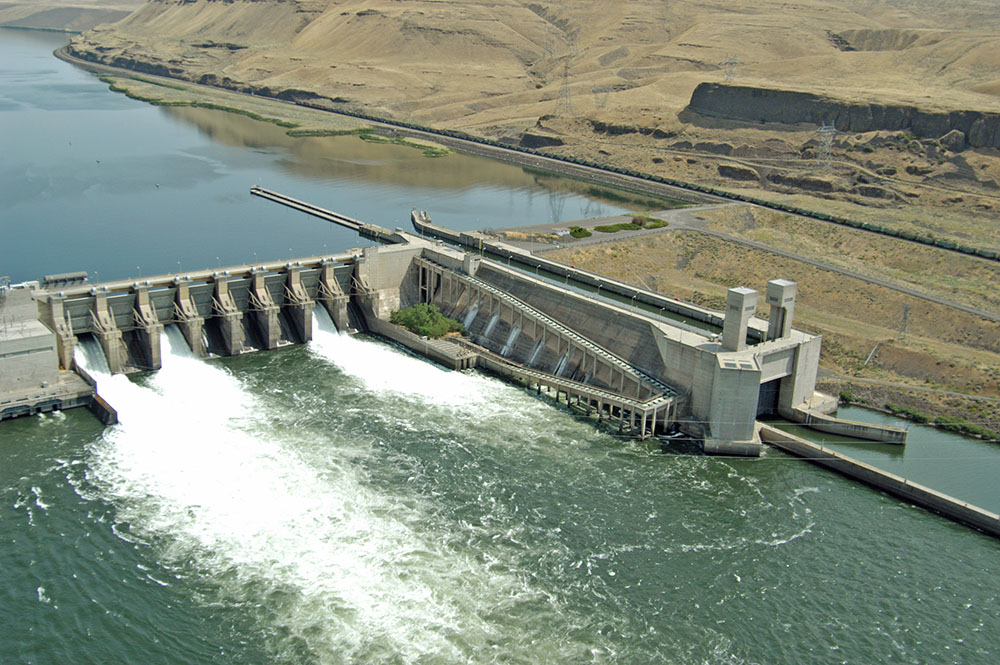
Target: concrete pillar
column 781, row 298
column 264, row 310
column 741, row 303
column 228, row 317
column 148, row 327
column 191, row 324
column 56, row 320
column 298, row 305
column 332, row 296
column 108, row 334
column 470, row 264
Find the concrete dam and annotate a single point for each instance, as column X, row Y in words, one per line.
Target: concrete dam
column 640, row 362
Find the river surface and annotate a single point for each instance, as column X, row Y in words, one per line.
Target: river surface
column 344, row 502
column 961, row 466
column 91, row 180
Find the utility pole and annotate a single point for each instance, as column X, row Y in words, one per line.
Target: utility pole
column 564, row 107
column 823, row 155
column 601, row 96
column 729, row 67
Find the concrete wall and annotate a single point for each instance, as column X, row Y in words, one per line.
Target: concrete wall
column 799, row 387
column 28, row 355
column 733, row 408
column 866, row 431
column 913, row 492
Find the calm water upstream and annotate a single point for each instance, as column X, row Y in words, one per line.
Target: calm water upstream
column 343, row 502
column 961, row 466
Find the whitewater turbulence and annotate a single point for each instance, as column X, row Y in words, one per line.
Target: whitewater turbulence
column 353, row 572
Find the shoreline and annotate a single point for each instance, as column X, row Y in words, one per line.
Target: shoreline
column 570, row 166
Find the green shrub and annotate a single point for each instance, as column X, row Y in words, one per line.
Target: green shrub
column 846, row 396
column 579, row 232
column 906, row 412
column 424, row 319
column 615, row 228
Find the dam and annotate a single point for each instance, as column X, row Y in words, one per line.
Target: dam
column 643, row 363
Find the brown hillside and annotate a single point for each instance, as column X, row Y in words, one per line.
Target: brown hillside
column 613, row 82
column 484, row 62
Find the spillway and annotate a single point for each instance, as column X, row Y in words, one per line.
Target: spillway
column 356, row 572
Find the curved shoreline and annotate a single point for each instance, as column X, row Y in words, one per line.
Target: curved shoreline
column 569, row 166
column 467, row 144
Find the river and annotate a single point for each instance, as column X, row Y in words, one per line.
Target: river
column 344, row 502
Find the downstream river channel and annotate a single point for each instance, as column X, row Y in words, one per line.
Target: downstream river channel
column 344, row 502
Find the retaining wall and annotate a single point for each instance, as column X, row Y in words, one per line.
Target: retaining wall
column 915, row 493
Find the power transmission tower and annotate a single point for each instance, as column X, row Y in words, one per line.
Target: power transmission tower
column 905, row 322
column 826, row 133
column 564, row 107
column 601, row 96
column 729, row 67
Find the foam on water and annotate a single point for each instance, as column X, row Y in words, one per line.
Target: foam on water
column 383, row 368
column 330, row 565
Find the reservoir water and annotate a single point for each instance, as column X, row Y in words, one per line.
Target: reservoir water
column 343, row 502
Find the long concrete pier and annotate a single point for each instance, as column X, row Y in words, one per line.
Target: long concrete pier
column 900, row 487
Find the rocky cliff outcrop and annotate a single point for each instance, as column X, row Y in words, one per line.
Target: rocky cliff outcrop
column 750, row 104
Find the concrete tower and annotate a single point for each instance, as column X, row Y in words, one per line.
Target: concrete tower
column 781, row 298
column 741, row 303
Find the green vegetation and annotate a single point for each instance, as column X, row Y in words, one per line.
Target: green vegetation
column 615, row 228
column 847, row 397
column 427, row 320
column 579, row 232
column 159, row 83
column 303, row 133
column 639, row 221
column 428, row 150
column 156, row 101
column 950, row 423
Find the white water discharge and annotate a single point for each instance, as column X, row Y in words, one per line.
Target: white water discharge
column 381, row 368
column 328, row 563
column 534, row 352
column 491, row 324
column 511, row 339
column 471, row 316
column 561, row 365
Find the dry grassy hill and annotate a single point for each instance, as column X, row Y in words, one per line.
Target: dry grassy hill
column 480, row 62
column 64, row 15
column 613, row 81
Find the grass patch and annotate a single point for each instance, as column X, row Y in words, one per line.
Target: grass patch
column 579, row 232
column 303, row 133
column 114, row 86
column 159, row 83
column 950, row 423
column 615, row 228
column 639, row 221
column 426, row 150
column 426, row 320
